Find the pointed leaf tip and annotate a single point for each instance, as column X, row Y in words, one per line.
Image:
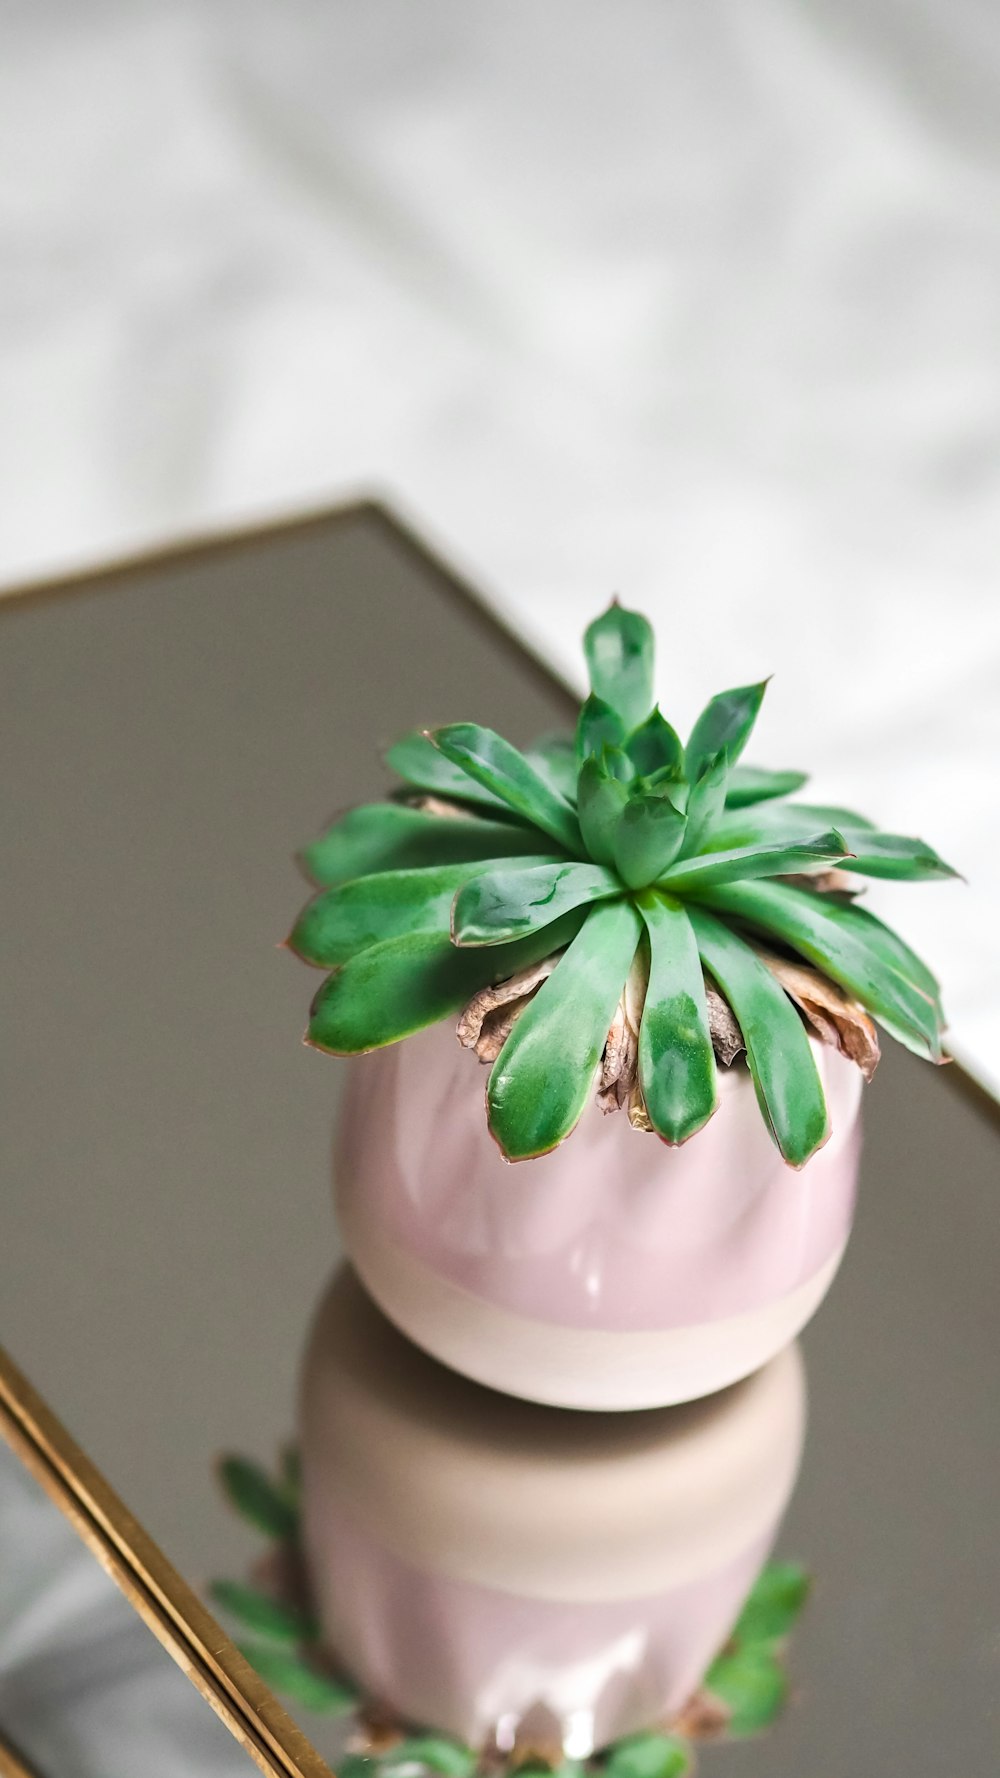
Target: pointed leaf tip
column 775, row 1601
column 546, row 1071
column 619, row 646
column 251, row 1491
column 724, row 726
column 656, row 748
column 648, row 836
column 598, row 726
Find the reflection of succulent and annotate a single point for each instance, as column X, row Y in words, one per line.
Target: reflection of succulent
column 601, row 880
column 743, row 1692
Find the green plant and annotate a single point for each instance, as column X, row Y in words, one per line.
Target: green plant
column 614, row 893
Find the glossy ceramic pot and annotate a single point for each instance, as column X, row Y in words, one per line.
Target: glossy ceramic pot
column 507, row 1572
column 613, row 1273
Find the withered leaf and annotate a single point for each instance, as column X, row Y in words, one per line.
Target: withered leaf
column 825, row 882
column 703, row 1718
column 437, row 805
column 490, row 1015
column 839, row 1021
column 620, row 1062
column 638, row 1116
column 618, row 1066
column 727, row 1038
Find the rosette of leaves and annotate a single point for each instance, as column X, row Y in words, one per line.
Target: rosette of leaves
column 620, row 911
column 743, row 1693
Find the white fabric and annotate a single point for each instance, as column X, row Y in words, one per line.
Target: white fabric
column 697, row 301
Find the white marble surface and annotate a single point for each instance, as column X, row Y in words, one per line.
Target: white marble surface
column 699, row 303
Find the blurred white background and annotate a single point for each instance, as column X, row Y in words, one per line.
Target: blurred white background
column 698, row 302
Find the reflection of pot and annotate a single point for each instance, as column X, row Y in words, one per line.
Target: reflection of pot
column 482, row 1563
column 614, row 1272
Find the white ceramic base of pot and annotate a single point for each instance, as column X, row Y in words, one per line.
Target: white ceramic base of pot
column 573, row 1367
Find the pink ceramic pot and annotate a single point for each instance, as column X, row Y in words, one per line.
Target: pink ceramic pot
column 613, row 1273
column 508, row 1572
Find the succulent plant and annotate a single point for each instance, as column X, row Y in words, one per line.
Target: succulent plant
column 617, row 911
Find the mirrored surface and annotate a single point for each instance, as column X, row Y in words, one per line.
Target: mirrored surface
column 170, row 736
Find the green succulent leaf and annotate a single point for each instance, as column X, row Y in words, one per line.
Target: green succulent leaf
column 774, row 1603
column 753, row 1687
column 256, row 1498
column 850, row 946
column 257, row 1611
column 435, row 1753
column 390, row 836
column 651, row 1755
column 753, row 861
column 648, row 836
column 894, row 855
column 705, row 804
column 655, row 747
column 404, row 984
column 602, row 798
column 544, row 1075
column 507, row 903
column 785, row 1077
column 295, row 1677
column 598, row 727
column 340, row 922
column 619, row 647
column 554, row 759
column 887, row 942
column 724, row 726
column 676, row 1060
column 359, row 1765
column 417, row 761
column 493, row 762
column 752, row 784
column 765, row 824
column 617, row 764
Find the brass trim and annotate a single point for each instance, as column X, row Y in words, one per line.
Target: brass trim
column 165, row 1603
column 13, row 1763
column 194, row 546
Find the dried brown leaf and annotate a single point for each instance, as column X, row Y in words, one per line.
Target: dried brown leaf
column 281, row 1573
column 620, row 1061
column 438, row 805
column 826, row 882
column 703, row 1718
column 727, row 1038
column 638, row 1116
column 839, row 1021
column 487, row 1020
column 618, row 1066
column 377, row 1732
